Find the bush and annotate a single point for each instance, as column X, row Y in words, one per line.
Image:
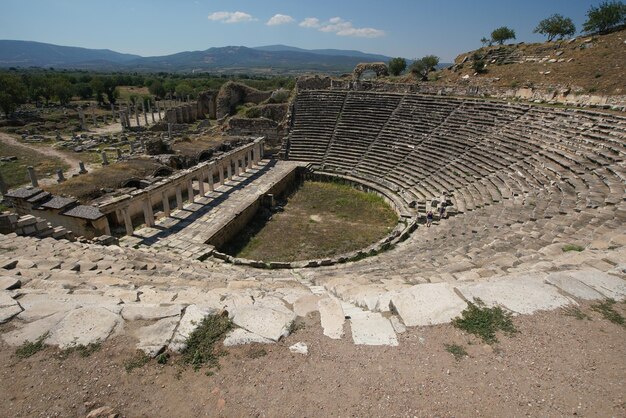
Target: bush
column 606, row 17
column 483, row 322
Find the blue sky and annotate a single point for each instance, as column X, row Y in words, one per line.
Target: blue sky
column 408, row 28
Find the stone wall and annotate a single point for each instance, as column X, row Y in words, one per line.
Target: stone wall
column 32, row 226
column 254, row 127
column 233, row 94
column 207, row 103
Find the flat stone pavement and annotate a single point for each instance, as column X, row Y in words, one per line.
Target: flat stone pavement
column 187, row 231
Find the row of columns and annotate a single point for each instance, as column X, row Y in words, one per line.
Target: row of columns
column 222, row 168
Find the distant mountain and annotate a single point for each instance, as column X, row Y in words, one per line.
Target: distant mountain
column 231, row 59
column 37, row 54
column 332, row 52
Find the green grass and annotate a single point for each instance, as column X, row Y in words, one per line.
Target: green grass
column 484, row 322
column 456, row 350
column 201, row 349
column 320, row 220
column 136, row 362
column 30, row 348
column 82, row 350
column 607, row 311
column 572, row 247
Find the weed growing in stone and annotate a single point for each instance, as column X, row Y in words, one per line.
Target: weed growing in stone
column 201, row 348
column 606, row 309
column 575, row 312
column 572, row 247
column 484, row 322
column 456, row 350
column 296, row 325
column 138, row 361
column 162, row 358
column 82, row 350
column 30, row 348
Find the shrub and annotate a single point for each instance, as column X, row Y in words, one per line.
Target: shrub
column 397, row 66
column 484, row 322
column 502, row 34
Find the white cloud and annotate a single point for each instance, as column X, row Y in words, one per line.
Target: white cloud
column 279, row 19
column 231, row 17
column 341, row 27
column 310, row 22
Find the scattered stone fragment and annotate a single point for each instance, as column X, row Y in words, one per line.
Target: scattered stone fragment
column 299, row 348
column 373, row 329
column 332, row 317
column 266, row 322
column 427, row 304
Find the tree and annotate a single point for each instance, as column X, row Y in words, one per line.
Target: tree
column 502, row 34
column 556, row 25
column 97, row 84
column 184, row 89
column 485, row 41
column 606, row 17
column 83, row 90
column 397, row 66
column 62, row 89
column 425, row 65
column 156, row 88
column 12, row 93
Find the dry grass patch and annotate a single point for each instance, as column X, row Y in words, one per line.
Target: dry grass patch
column 14, row 172
column 89, row 186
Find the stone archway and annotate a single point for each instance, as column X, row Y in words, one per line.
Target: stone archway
column 380, row 68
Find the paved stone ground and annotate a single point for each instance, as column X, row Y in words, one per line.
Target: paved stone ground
column 186, row 231
column 75, row 294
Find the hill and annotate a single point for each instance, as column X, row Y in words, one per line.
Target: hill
column 38, row 54
column 590, row 64
column 232, row 59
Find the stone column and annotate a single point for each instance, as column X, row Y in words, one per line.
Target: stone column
column 145, row 115
column 243, row 163
column 179, row 197
column 201, row 184
column 113, row 115
column 3, row 186
column 151, row 112
column 221, row 173
column 81, row 115
column 93, row 115
column 169, row 130
column 81, row 168
column 237, row 172
column 119, row 153
column 166, row 204
column 137, row 114
column 128, row 223
column 190, row 190
column 60, row 177
column 250, row 164
column 123, row 121
column 229, row 169
column 211, row 169
column 105, row 160
column 158, row 106
column 147, row 212
column 33, row 176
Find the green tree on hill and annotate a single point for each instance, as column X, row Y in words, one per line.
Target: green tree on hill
column 397, row 66
column 556, row 25
column 12, row 93
column 425, row 65
column 502, row 34
column 606, row 17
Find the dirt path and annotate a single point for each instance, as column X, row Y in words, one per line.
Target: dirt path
column 556, row 365
column 48, row 151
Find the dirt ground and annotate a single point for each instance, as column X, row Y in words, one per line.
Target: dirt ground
column 556, row 365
